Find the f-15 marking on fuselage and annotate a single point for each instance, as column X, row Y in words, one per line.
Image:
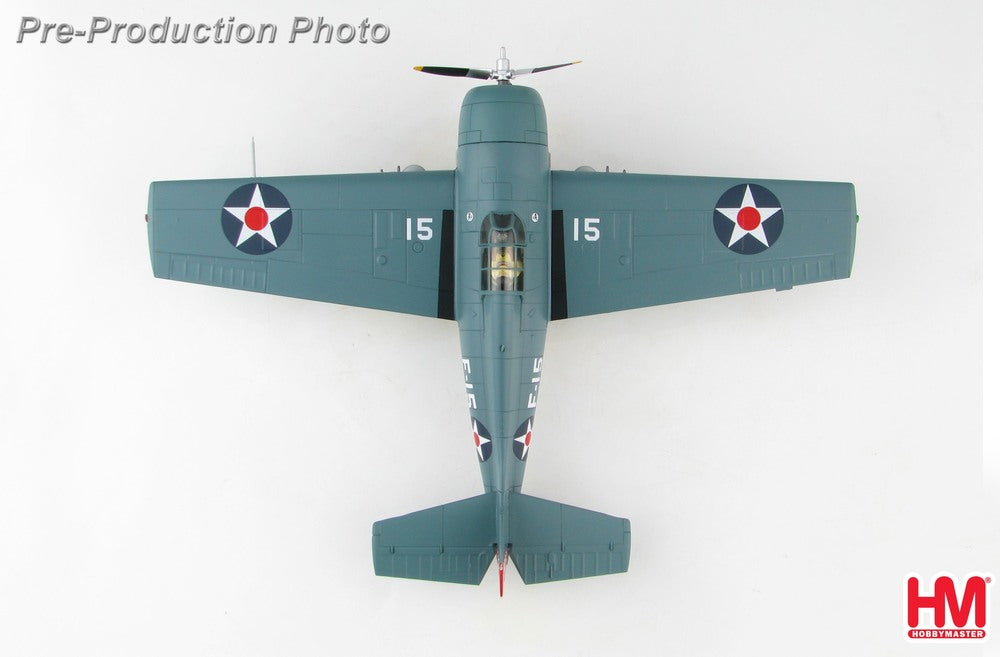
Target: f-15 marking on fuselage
column 536, row 378
column 535, row 245
column 470, row 388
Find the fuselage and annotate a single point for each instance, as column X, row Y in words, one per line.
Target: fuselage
column 502, row 273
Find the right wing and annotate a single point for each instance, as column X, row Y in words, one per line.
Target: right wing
column 623, row 240
column 380, row 240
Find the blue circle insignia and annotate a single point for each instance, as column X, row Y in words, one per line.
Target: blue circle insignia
column 484, row 443
column 522, row 439
column 748, row 218
column 256, row 218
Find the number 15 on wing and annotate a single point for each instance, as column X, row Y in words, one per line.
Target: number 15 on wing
column 425, row 230
column 591, row 229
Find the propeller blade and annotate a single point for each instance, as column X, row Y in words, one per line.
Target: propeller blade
column 454, row 72
column 528, row 71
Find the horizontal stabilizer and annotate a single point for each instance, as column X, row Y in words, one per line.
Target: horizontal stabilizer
column 448, row 543
column 552, row 541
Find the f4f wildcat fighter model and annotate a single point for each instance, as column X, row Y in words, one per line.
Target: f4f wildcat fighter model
column 503, row 245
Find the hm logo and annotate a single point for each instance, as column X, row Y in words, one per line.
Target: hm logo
column 961, row 614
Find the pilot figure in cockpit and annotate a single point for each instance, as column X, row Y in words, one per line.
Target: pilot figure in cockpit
column 503, row 267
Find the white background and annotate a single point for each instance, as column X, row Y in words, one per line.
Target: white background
column 193, row 470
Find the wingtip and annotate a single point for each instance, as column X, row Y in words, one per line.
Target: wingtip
column 418, row 68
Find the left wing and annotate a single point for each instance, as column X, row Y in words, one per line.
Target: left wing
column 623, row 240
column 380, row 240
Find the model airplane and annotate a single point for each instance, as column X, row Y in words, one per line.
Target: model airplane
column 503, row 245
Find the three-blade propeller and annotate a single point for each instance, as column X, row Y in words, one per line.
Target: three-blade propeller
column 502, row 73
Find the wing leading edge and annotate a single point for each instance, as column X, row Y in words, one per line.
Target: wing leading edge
column 382, row 240
column 625, row 241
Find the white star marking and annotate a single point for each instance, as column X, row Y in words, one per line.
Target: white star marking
column 256, row 201
column 733, row 215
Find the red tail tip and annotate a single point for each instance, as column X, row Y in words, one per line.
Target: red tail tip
column 500, row 564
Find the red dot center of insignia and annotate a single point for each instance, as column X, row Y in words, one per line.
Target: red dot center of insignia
column 748, row 218
column 476, row 437
column 527, row 438
column 255, row 218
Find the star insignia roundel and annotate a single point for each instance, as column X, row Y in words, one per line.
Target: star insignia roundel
column 748, row 218
column 484, row 444
column 522, row 439
column 256, row 218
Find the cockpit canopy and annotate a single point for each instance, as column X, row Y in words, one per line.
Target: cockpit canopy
column 502, row 240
